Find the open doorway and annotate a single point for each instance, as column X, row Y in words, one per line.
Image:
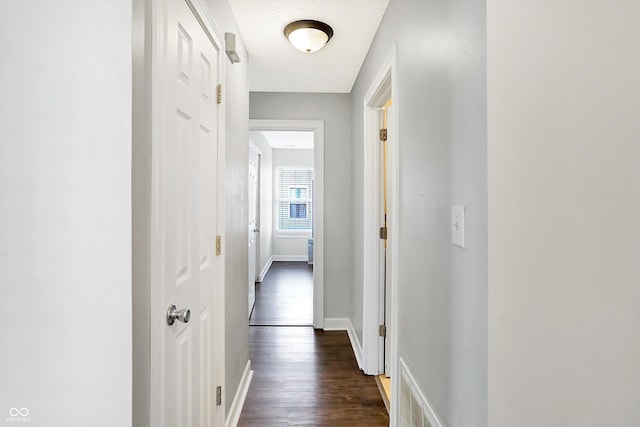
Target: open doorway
column 288, row 251
column 284, row 195
column 384, row 266
column 381, row 230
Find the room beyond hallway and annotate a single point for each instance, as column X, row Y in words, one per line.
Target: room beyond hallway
column 285, row 296
column 308, row 377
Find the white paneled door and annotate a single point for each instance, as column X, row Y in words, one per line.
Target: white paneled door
column 186, row 217
column 254, row 225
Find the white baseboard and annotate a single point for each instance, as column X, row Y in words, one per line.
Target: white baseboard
column 265, row 270
column 406, row 410
column 355, row 344
column 274, row 258
column 344, row 324
column 241, row 394
column 304, row 258
column 336, row 324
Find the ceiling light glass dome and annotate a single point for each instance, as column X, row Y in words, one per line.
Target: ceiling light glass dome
column 308, row 35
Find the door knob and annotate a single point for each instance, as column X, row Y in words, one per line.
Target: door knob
column 174, row 314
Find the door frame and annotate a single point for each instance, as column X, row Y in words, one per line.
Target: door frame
column 157, row 313
column 383, row 87
column 256, row 243
column 317, row 127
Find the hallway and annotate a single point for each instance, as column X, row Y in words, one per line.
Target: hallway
column 303, row 376
column 514, row 141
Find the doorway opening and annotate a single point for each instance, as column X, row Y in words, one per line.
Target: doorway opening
column 288, row 250
column 281, row 212
column 381, row 228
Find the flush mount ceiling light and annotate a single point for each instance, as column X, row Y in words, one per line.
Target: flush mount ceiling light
column 308, row 35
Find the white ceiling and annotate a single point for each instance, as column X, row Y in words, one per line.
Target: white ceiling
column 276, row 66
column 288, row 139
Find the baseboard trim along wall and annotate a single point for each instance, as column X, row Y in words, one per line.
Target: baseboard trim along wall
column 265, row 269
column 290, row 258
column 274, row 258
column 241, row 395
column 340, row 324
column 414, row 406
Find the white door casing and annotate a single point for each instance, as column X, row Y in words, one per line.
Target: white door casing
column 385, row 194
column 383, row 87
column 317, row 127
column 382, row 247
column 388, row 302
column 187, row 215
column 254, row 225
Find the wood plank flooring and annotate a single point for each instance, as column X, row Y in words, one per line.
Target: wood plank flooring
column 308, row 377
column 302, row 376
column 285, row 296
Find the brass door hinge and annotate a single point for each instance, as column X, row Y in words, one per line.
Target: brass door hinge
column 218, row 245
column 383, row 233
column 383, row 134
column 382, row 331
column 219, row 94
column 219, row 395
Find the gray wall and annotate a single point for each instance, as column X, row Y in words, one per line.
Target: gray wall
column 65, row 212
column 443, row 141
column 236, row 104
column 564, row 182
column 335, row 110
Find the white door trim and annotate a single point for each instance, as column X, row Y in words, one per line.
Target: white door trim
column 157, row 318
column 383, row 86
column 256, row 243
column 317, row 127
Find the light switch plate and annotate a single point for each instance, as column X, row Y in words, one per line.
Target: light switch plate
column 457, row 225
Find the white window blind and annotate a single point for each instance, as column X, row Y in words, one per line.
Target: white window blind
column 294, row 199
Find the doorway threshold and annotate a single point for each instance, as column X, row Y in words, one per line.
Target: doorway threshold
column 384, row 385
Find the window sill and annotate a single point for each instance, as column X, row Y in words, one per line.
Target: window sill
column 292, row 234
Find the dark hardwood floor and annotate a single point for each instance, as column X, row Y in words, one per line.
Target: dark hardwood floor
column 308, row 377
column 302, row 376
column 285, row 296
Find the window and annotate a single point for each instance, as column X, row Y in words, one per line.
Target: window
column 294, row 199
